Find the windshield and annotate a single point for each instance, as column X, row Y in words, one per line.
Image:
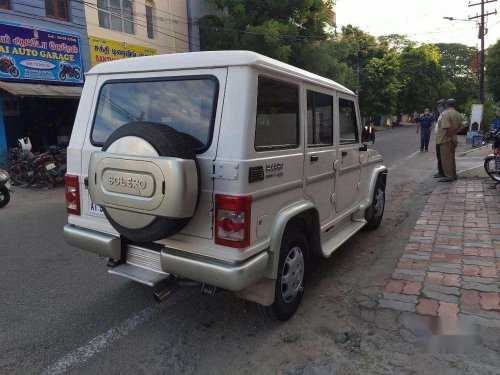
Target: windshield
column 185, row 104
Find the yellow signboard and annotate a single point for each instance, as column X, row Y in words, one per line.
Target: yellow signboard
column 102, row 50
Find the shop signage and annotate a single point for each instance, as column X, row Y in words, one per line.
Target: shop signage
column 102, row 50
column 38, row 55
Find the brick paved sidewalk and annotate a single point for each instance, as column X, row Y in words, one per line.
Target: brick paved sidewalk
column 451, row 264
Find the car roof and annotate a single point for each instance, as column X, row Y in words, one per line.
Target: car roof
column 209, row 59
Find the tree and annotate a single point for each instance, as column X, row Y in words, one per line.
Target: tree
column 458, row 62
column 396, row 42
column 493, row 71
column 380, row 88
column 278, row 29
column 422, row 78
column 358, row 47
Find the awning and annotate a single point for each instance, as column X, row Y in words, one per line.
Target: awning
column 41, row 90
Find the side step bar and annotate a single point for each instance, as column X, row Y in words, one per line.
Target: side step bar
column 139, row 274
column 349, row 230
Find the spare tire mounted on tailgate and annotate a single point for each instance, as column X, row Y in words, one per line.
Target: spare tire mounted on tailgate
column 146, row 179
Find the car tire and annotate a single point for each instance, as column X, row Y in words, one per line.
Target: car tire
column 4, row 196
column 167, row 142
column 377, row 207
column 291, row 279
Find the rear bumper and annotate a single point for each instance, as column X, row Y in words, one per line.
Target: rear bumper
column 96, row 242
column 234, row 277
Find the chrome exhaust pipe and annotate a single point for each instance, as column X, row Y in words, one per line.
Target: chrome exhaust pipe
column 165, row 291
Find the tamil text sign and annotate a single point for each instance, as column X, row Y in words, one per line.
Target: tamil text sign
column 37, row 55
column 102, row 50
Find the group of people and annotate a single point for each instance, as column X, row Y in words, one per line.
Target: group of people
column 447, row 123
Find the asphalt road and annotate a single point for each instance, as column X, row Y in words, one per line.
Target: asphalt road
column 61, row 312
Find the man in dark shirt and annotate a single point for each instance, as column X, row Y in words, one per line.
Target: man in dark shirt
column 425, row 125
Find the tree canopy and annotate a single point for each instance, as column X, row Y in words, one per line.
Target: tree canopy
column 390, row 73
column 493, row 71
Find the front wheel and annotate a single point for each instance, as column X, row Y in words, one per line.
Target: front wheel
column 14, row 72
column 62, row 76
column 490, row 166
column 4, row 196
column 290, row 281
column 374, row 218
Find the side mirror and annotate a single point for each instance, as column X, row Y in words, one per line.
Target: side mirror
column 368, row 134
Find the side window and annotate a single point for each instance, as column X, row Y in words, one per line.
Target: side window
column 319, row 119
column 277, row 123
column 348, row 122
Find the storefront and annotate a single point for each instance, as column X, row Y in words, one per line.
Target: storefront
column 41, row 78
column 102, row 50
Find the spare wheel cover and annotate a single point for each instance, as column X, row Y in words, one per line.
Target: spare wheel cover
column 150, row 140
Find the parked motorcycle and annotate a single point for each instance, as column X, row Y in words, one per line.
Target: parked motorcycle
column 69, row 71
column 47, row 168
column 4, row 188
column 58, row 158
column 492, row 162
column 20, row 171
column 7, row 65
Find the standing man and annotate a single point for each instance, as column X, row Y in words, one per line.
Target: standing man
column 437, row 119
column 424, row 123
column 448, row 127
column 394, row 121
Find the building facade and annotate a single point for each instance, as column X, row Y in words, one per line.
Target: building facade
column 125, row 28
column 44, row 52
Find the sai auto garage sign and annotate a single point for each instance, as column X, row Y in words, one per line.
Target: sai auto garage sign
column 38, row 55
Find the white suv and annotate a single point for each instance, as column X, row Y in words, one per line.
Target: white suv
column 227, row 168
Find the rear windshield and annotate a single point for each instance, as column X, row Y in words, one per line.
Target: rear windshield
column 185, row 104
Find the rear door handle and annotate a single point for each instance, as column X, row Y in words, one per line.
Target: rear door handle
column 314, row 158
column 344, row 153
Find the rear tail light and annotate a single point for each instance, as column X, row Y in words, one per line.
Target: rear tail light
column 232, row 220
column 72, row 194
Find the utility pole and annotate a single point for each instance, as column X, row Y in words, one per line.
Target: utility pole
column 482, row 33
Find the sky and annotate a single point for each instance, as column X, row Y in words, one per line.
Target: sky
column 420, row 20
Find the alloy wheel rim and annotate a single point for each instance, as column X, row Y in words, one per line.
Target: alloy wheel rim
column 292, row 274
column 380, row 203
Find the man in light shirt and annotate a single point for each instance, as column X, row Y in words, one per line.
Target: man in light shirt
column 448, row 126
column 440, row 110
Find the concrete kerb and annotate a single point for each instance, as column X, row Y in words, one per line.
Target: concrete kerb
column 470, row 161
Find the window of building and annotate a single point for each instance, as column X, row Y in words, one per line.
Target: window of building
column 116, row 15
column 348, row 122
column 149, row 21
column 57, row 9
column 4, row 4
column 319, row 119
column 277, row 123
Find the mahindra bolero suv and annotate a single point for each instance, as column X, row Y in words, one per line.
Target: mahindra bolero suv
column 227, row 168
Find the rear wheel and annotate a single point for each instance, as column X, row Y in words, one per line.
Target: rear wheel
column 22, row 174
column 4, row 196
column 290, row 281
column 490, row 168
